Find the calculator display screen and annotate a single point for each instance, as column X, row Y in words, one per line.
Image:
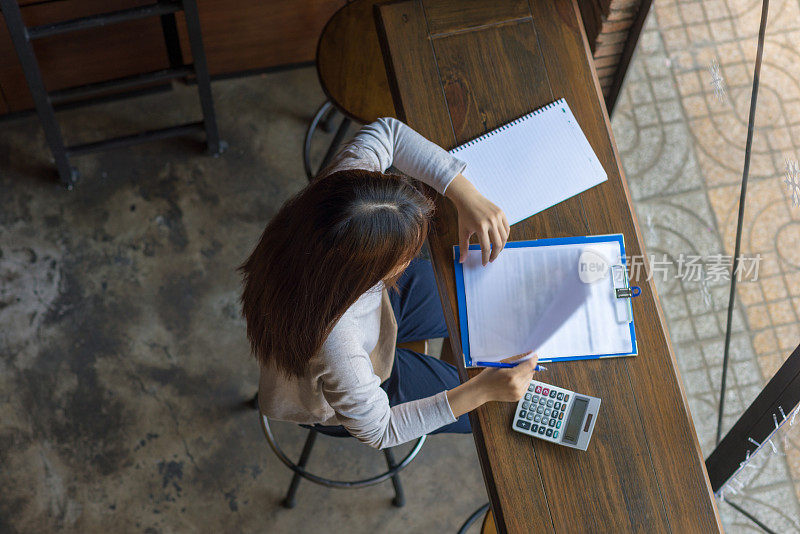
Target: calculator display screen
column 575, row 419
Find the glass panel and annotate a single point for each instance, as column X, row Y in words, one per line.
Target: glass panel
column 681, row 126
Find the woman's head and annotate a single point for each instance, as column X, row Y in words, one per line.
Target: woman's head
column 325, row 247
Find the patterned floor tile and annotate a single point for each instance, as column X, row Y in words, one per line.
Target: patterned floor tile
column 681, row 125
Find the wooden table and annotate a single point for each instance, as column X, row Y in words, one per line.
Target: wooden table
column 458, row 68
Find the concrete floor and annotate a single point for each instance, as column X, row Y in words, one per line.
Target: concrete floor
column 123, row 360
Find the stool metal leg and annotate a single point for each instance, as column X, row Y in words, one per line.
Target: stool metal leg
column 327, row 120
column 44, row 107
column 203, row 79
column 337, row 140
column 325, row 110
column 289, row 501
column 472, row 518
column 399, row 497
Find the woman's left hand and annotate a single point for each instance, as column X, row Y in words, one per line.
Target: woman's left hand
column 478, row 215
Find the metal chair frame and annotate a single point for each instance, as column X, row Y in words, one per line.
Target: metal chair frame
column 472, row 518
column 300, row 472
column 323, row 119
column 45, row 101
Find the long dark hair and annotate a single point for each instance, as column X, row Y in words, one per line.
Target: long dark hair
column 324, row 248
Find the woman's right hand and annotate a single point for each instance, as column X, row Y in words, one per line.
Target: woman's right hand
column 507, row 384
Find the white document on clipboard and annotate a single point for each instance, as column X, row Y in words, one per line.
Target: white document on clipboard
column 533, row 297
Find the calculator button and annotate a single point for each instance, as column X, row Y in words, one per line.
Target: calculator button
column 529, row 416
column 545, row 391
column 537, row 419
column 527, row 396
column 542, row 400
column 525, row 405
column 563, row 407
column 560, row 396
column 566, row 397
column 547, row 412
column 538, row 389
column 534, row 428
column 539, row 410
column 552, row 394
column 560, row 415
column 558, row 424
column 556, row 407
column 523, row 424
column 522, row 413
column 535, row 398
column 555, row 434
column 530, row 387
column 549, row 404
column 549, row 432
column 552, row 422
column 541, row 430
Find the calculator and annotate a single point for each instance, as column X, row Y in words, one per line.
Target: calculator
column 556, row 414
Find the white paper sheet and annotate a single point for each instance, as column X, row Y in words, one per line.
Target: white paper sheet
column 532, row 163
column 531, row 298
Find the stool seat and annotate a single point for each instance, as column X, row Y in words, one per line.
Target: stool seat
column 392, row 472
column 393, row 467
column 350, row 64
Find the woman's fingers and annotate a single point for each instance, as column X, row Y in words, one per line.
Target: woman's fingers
column 532, row 361
column 503, row 231
column 512, row 359
column 497, row 242
column 492, row 230
column 463, row 245
column 486, row 246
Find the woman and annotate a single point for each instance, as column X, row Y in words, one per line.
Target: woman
column 320, row 319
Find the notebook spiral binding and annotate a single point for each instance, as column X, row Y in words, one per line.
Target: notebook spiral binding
column 507, row 125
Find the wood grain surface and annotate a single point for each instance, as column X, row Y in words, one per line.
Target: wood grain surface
column 350, row 64
column 241, row 35
column 455, row 74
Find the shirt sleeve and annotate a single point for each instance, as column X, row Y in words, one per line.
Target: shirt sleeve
column 389, row 142
column 353, row 390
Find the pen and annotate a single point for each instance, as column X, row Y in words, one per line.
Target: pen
column 504, row 365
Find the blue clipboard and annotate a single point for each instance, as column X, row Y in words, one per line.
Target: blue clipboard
column 623, row 290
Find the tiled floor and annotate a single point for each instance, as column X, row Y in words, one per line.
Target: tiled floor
column 681, row 125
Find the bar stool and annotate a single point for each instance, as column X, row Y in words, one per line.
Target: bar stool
column 352, row 75
column 488, row 526
column 393, row 467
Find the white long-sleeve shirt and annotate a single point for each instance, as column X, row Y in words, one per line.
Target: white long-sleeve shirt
column 342, row 385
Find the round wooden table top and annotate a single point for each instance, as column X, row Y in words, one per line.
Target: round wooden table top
column 350, row 63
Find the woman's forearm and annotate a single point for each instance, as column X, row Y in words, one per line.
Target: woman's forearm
column 466, row 397
column 461, row 190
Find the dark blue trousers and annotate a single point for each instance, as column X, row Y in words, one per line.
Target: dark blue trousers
column 419, row 316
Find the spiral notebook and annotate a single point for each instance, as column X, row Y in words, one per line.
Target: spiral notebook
column 533, row 162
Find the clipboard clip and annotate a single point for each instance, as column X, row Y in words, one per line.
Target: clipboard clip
column 628, row 292
column 623, row 293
